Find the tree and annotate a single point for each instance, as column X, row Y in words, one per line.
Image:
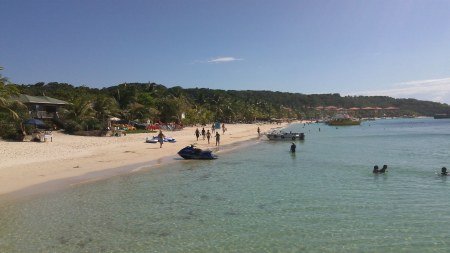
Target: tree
column 104, row 107
column 14, row 109
column 136, row 111
column 80, row 110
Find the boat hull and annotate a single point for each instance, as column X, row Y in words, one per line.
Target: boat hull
column 344, row 122
column 441, row 116
column 285, row 136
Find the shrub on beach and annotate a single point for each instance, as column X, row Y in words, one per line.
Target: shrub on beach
column 10, row 131
column 91, row 124
column 72, row 127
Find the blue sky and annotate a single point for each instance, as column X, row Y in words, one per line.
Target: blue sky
column 396, row 48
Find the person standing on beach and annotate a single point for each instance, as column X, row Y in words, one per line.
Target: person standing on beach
column 259, row 131
column 203, row 133
column 217, row 139
column 160, row 138
column 208, row 135
column 197, row 133
column 223, row 128
column 213, row 128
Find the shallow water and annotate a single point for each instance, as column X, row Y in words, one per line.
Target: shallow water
column 260, row 199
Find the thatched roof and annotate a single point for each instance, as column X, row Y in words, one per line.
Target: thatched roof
column 27, row 99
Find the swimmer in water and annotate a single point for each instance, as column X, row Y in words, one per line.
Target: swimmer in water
column 375, row 169
column 444, row 171
column 383, row 170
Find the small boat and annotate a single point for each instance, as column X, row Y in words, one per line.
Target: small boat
column 154, row 139
column 283, row 136
column 343, row 120
column 441, row 116
column 191, row 152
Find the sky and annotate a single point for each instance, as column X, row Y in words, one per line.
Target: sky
column 364, row 47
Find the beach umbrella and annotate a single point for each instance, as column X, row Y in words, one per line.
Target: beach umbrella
column 34, row 122
column 114, row 119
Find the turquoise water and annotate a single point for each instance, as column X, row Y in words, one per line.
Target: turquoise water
column 260, row 199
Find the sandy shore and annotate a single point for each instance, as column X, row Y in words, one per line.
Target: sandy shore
column 83, row 159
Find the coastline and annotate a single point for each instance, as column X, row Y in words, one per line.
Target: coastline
column 69, row 161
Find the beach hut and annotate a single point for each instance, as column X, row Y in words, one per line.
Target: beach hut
column 42, row 107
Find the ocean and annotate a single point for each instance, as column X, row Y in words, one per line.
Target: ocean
column 260, row 198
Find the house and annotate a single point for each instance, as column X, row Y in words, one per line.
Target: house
column 42, row 107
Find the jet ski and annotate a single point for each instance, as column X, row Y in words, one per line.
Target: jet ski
column 191, row 152
column 169, row 139
column 154, row 139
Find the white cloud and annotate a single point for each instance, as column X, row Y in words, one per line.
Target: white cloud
column 437, row 90
column 224, row 59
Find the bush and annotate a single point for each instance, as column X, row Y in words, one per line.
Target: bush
column 72, row 127
column 10, row 132
column 91, row 124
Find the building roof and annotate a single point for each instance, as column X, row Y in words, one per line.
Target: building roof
column 27, row 99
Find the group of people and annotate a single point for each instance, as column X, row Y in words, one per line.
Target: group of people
column 207, row 134
column 376, row 170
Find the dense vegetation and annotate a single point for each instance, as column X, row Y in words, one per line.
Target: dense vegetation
column 143, row 102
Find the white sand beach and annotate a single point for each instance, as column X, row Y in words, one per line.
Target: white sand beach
column 25, row 164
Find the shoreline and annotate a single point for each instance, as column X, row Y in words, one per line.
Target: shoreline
column 102, row 162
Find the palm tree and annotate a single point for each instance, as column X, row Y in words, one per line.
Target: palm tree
column 12, row 107
column 79, row 110
column 6, row 103
column 104, row 107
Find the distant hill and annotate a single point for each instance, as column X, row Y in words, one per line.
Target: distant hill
column 201, row 104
